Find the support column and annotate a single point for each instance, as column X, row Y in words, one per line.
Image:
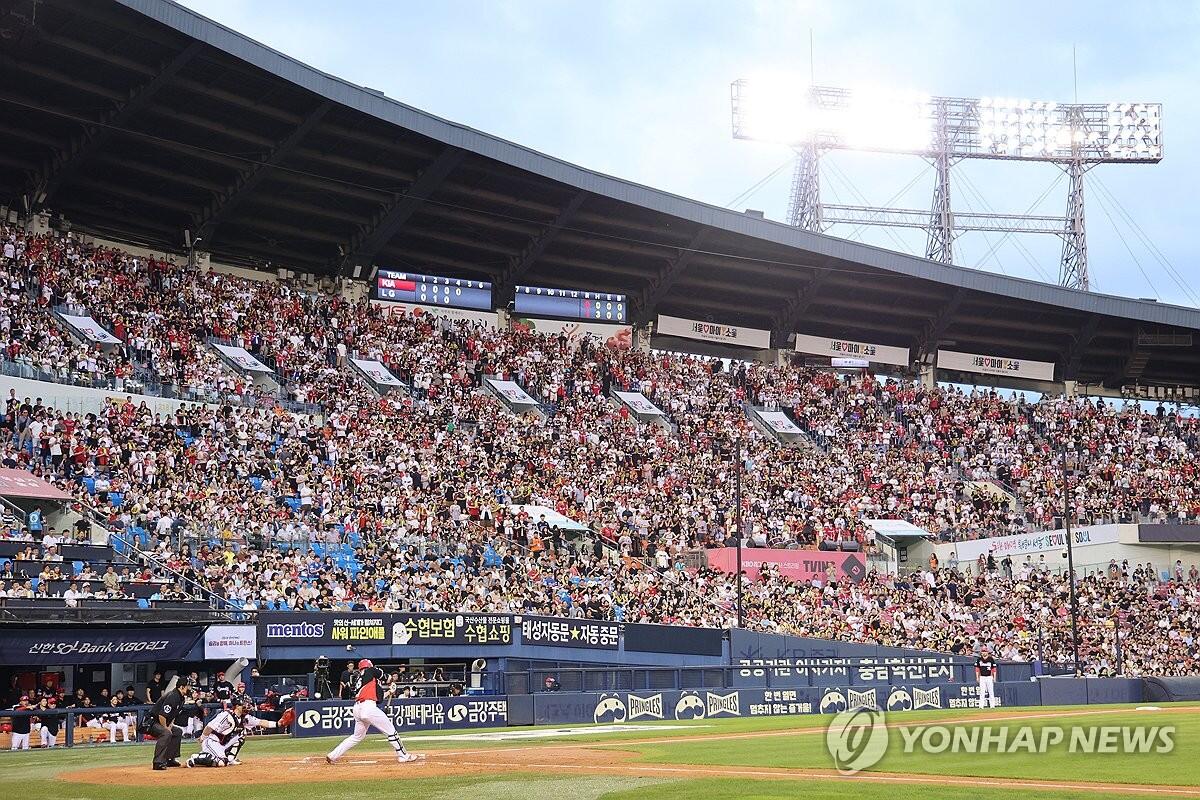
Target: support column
column 804, row 206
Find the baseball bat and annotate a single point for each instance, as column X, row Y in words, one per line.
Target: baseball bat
column 234, row 670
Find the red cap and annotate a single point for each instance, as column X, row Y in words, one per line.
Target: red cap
column 364, row 663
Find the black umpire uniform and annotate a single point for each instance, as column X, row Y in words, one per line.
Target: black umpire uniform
column 167, row 735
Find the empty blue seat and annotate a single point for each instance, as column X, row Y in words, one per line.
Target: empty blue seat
column 90, row 485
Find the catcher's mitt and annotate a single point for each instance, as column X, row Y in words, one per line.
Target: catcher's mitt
column 289, row 716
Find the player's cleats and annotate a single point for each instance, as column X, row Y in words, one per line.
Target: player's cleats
column 329, row 760
column 405, row 758
column 232, row 762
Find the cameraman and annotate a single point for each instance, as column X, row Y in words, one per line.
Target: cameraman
column 348, row 682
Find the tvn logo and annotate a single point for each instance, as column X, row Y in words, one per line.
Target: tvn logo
column 296, row 630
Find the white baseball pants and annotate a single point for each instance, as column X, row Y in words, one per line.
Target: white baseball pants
column 987, row 690
column 20, row 741
column 117, row 725
column 368, row 715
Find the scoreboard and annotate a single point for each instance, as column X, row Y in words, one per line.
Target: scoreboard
column 538, row 301
column 410, row 287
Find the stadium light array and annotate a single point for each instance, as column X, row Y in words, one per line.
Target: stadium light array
column 987, row 127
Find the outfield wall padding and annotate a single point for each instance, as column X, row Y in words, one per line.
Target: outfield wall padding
column 1169, row 690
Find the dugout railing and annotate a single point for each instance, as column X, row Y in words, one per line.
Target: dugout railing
column 73, row 730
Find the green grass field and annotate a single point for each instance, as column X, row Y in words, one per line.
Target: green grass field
column 711, row 759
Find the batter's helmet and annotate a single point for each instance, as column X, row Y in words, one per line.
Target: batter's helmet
column 365, row 662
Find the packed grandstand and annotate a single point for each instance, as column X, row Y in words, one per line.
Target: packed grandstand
column 325, row 496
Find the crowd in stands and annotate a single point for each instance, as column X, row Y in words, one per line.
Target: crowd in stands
column 405, row 501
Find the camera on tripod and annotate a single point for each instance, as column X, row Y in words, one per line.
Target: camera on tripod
column 321, row 684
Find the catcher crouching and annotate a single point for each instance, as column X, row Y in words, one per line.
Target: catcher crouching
column 225, row 734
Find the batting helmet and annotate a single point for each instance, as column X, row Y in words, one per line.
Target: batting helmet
column 364, row 663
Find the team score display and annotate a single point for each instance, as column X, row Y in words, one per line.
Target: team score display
column 537, row 301
column 411, row 287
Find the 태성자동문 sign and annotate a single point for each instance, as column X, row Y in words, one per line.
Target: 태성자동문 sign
column 1025, row 368
column 713, row 332
column 559, row 632
column 851, row 349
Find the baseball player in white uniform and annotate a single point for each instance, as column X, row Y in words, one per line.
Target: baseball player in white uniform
column 225, row 732
column 368, row 693
column 985, row 671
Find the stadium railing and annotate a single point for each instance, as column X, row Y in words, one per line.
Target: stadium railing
column 73, row 733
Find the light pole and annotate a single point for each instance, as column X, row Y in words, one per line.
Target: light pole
column 1070, row 556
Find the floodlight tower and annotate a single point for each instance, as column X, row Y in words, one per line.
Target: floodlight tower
column 945, row 130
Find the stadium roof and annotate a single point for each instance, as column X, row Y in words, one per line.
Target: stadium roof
column 137, row 119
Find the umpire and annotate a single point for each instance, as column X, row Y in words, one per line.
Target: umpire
column 162, row 726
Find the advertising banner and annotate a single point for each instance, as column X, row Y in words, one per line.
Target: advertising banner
column 90, row 329
column 557, row 632
column 475, row 629
column 713, row 332
column 22, row 483
column 996, row 365
column 241, row 358
column 1024, row 544
column 799, row 565
column 222, row 642
column 694, row 704
column 94, row 645
column 335, row 718
column 851, row 349
column 511, row 392
column 855, row 670
column 779, row 422
column 416, row 310
column 615, row 337
column 639, row 404
column 376, row 372
column 305, row 629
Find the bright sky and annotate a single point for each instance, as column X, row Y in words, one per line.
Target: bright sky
column 640, row 90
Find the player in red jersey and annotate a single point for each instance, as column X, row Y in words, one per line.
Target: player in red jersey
column 368, row 693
